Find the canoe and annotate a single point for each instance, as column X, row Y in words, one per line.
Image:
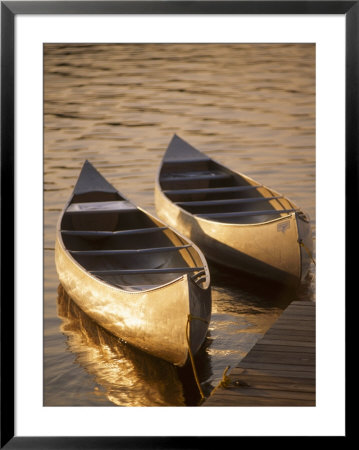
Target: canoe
column 235, row 221
column 132, row 274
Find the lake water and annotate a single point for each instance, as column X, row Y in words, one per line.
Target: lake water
column 251, row 107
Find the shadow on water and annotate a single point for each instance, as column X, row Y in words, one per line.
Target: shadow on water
column 258, row 292
column 254, row 289
column 204, row 372
column 127, row 376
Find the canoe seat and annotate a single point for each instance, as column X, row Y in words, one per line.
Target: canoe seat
column 181, row 270
column 197, row 175
column 127, row 252
column 229, row 201
column 101, row 207
column 211, row 190
column 85, row 233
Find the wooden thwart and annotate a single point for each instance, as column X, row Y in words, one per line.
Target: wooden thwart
column 127, row 252
column 86, row 233
column 229, row 201
column 150, row 271
column 212, row 190
column 101, row 207
column 194, row 176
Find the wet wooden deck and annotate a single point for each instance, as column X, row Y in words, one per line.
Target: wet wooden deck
column 280, row 368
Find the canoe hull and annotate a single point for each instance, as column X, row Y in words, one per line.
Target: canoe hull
column 270, row 250
column 130, row 273
column 154, row 321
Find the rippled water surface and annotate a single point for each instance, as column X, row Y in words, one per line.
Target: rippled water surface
column 250, row 107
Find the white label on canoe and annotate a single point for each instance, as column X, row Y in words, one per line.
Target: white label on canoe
column 101, row 206
column 283, row 226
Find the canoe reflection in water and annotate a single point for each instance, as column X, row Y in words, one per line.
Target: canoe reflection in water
column 126, row 376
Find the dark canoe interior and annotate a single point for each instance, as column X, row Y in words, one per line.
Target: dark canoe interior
column 207, row 189
column 115, row 241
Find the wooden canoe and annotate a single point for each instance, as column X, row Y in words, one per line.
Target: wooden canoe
column 131, row 273
column 236, row 221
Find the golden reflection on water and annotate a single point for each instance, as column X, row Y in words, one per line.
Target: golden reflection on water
column 126, row 376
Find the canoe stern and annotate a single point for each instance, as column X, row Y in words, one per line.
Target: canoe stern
column 200, row 314
column 306, row 243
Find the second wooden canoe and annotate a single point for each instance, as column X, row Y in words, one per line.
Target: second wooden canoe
column 236, row 221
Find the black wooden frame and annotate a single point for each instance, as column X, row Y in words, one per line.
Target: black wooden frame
column 9, row 9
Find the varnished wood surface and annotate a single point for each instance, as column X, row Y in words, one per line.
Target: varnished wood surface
column 280, row 368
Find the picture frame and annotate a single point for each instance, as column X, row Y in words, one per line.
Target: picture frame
column 9, row 11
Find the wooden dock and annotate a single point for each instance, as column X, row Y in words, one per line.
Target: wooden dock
column 280, row 368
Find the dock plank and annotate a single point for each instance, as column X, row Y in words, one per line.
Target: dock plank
column 280, row 369
column 257, row 379
column 268, row 393
column 290, row 333
column 282, row 358
column 276, row 384
column 242, row 400
column 280, row 372
column 295, row 325
column 274, row 366
column 286, row 348
column 297, row 317
column 277, row 340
